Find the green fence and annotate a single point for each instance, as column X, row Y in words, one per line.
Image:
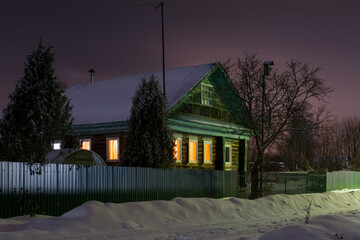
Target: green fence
column 342, row 179
column 59, row 188
column 293, row 182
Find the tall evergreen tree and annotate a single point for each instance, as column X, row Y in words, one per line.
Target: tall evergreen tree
column 38, row 112
column 150, row 140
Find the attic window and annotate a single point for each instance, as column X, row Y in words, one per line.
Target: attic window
column 207, row 94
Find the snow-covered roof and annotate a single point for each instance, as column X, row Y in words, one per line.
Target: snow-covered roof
column 111, row 100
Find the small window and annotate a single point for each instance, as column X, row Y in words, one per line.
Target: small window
column 193, row 150
column 177, row 150
column 86, row 144
column 227, row 154
column 206, row 94
column 112, row 149
column 57, row 145
column 207, row 151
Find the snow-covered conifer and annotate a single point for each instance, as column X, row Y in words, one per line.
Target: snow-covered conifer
column 38, row 112
column 149, row 140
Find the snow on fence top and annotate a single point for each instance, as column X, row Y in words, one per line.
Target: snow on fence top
column 111, row 100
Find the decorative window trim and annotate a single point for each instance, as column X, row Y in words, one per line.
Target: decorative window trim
column 228, row 145
column 207, row 100
column 107, row 148
column 56, row 145
column 210, row 142
column 193, row 140
column 180, row 148
column 85, row 140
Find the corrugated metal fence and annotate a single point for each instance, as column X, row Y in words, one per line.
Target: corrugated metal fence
column 342, row 179
column 60, row 188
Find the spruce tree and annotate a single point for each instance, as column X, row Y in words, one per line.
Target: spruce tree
column 150, row 140
column 38, row 112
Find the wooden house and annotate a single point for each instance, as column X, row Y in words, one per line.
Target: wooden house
column 205, row 113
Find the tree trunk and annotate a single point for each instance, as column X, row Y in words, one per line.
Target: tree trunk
column 255, row 177
column 254, row 182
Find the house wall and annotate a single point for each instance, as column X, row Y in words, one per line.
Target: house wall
column 98, row 145
column 237, row 148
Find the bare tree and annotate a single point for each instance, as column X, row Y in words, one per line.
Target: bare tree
column 286, row 94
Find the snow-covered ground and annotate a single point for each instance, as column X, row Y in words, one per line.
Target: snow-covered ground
column 333, row 215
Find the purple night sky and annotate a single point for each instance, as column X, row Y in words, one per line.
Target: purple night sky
column 120, row 37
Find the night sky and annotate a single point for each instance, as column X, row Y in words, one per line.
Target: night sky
column 120, row 37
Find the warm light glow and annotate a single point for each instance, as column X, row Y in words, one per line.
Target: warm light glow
column 177, row 150
column 192, row 151
column 113, row 149
column 207, row 152
column 57, row 146
column 85, row 144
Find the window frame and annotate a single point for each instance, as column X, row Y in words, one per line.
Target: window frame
column 193, row 140
column 210, row 142
column 180, row 148
column 107, row 149
column 85, row 140
column 228, row 145
column 208, row 101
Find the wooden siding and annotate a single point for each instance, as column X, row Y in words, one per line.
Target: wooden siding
column 216, row 151
column 98, row 145
column 234, row 156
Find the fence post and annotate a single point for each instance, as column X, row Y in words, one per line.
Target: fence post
column 285, row 184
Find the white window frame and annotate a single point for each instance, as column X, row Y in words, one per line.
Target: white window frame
column 210, row 142
column 85, row 140
column 107, row 149
column 228, row 145
column 194, row 139
column 209, row 101
column 56, row 145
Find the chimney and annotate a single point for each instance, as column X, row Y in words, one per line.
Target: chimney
column 91, row 71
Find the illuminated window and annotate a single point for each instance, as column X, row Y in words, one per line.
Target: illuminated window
column 227, row 153
column 206, row 94
column 57, row 145
column 207, row 151
column 86, row 144
column 112, row 149
column 177, row 150
column 193, row 150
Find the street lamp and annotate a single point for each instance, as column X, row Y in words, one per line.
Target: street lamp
column 267, row 69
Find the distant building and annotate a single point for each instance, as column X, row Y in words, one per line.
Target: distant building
column 205, row 112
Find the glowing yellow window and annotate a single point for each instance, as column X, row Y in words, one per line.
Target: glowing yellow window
column 207, row 152
column 113, row 149
column 192, row 151
column 85, row 144
column 177, row 150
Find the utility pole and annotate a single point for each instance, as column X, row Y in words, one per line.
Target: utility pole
column 161, row 4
